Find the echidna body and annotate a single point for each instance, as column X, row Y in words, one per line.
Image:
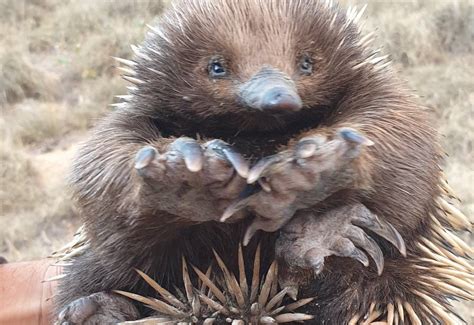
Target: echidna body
column 284, row 78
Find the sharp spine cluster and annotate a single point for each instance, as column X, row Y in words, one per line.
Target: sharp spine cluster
column 76, row 247
column 223, row 298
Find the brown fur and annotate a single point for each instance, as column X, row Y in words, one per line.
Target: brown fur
column 397, row 178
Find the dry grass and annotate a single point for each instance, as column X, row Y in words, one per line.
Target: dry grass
column 432, row 45
column 57, row 77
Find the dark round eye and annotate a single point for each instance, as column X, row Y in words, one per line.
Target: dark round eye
column 216, row 69
column 306, row 66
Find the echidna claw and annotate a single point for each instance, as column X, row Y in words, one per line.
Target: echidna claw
column 308, row 146
column 263, row 182
column 260, row 167
column 251, row 230
column 360, row 256
column 383, row 229
column 226, row 151
column 191, row 152
column 144, row 157
column 233, row 208
column 313, row 257
column 354, row 136
column 242, row 202
column 362, row 240
column 292, row 291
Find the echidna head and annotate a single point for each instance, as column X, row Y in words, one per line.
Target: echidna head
column 245, row 62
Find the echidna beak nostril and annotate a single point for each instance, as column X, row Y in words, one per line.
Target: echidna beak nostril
column 281, row 98
column 271, row 91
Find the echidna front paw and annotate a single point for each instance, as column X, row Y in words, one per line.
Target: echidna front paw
column 98, row 308
column 307, row 239
column 189, row 174
column 299, row 177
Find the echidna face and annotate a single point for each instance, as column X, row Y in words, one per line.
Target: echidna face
column 246, row 60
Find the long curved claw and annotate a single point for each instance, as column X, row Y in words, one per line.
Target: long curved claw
column 233, row 208
column 360, row 256
column 191, row 151
column 241, row 203
column 226, row 151
column 267, row 224
column 362, row 240
column 345, row 248
column 371, row 247
column 257, row 170
column 383, row 229
column 251, row 230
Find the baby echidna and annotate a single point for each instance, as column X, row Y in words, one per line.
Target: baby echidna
column 220, row 298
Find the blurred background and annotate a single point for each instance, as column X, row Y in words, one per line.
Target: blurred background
column 57, row 77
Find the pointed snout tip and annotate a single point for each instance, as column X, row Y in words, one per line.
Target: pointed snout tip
column 281, row 99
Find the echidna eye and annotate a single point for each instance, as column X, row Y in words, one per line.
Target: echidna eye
column 216, row 69
column 306, row 65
